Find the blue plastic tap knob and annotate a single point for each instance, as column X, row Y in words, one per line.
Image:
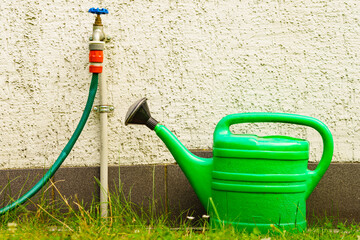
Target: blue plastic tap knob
column 98, row 11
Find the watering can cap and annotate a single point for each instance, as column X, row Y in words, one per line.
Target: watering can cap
column 268, row 147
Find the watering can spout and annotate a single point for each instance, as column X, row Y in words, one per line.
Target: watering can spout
column 197, row 170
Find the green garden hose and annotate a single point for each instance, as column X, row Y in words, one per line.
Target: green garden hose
column 63, row 154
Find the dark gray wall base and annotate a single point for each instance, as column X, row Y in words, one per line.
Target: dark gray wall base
column 337, row 195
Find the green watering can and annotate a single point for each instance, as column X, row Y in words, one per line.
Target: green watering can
column 251, row 181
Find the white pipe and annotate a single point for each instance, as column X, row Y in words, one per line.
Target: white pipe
column 104, row 197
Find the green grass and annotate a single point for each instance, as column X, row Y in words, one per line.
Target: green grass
column 70, row 220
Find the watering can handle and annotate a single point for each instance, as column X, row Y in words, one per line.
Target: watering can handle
column 223, row 128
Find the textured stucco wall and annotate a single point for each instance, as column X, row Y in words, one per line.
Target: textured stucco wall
column 196, row 61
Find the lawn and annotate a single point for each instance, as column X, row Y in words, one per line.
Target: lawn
column 71, row 220
column 39, row 226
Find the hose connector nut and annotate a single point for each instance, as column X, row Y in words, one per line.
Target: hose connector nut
column 97, row 45
column 96, row 57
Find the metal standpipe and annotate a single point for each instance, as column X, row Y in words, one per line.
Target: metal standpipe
column 96, row 45
column 104, row 151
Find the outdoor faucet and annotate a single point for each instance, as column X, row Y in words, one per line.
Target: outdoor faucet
column 98, row 30
column 97, row 41
column 98, row 34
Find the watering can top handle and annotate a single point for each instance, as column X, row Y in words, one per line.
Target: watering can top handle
column 222, row 128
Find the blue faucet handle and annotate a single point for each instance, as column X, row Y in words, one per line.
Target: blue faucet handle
column 98, row 11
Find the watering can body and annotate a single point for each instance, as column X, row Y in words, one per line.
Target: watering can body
column 263, row 182
column 251, row 182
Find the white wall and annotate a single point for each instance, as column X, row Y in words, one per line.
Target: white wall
column 196, row 61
